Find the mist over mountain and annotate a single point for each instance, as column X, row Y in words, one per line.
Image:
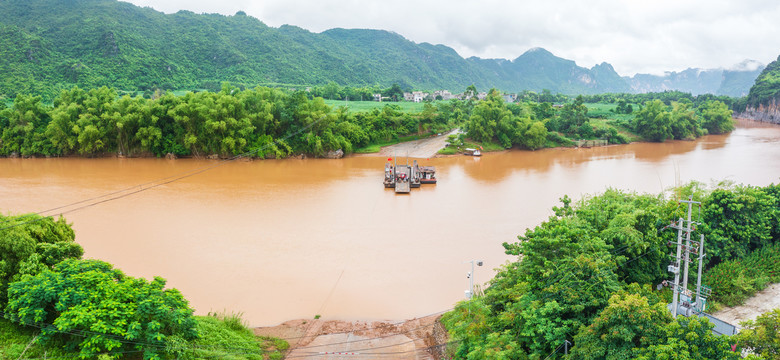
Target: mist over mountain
column 735, row 81
column 763, row 101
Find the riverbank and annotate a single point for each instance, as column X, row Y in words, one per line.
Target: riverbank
column 271, row 238
column 764, row 301
column 415, row 339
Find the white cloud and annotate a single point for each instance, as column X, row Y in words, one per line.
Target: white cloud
column 634, row 36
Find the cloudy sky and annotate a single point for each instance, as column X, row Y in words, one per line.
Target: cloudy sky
column 635, row 36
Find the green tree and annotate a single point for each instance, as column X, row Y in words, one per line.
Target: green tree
column 535, row 136
column 24, row 131
column 572, row 116
column 689, row 339
column 30, row 244
column 762, row 336
column 331, row 91
column 684, row 125
column 653, row 122
column 716, row 117
column 99, row 310
column 394, row 92
column 67, row 108
column 132, row 118
column 737, row 221
column 627, row 322
column 96, row 134
column 471, row 92
column 485, row 117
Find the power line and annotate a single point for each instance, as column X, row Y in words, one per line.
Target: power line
column 154, row 184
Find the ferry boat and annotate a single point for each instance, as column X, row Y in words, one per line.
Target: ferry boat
column 405, row 177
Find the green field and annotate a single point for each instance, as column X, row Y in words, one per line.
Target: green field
column 602, row 111
column 361, row 106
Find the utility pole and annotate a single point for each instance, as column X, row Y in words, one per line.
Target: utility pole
column 675, row 268
column 470, row 276
column 683, row 256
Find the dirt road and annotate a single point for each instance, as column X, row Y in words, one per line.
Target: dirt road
column 765, row 300
column 421, row 149
column 337, row 340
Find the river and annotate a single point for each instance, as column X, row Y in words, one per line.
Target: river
column 285, row 239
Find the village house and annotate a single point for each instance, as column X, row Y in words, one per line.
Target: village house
column 445, row 94
column 509, row 98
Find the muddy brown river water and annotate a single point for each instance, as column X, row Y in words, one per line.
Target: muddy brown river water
column 285, row 239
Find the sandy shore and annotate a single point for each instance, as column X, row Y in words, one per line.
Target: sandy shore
column 415, row 339
column 421, row 149
column 764, row 301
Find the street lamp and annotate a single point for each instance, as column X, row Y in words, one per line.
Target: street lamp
column 470, row 276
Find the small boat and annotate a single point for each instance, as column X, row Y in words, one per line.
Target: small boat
column 472, row 152
column 427, row 174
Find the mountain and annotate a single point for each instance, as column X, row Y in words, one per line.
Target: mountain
column 48, row 45
column 732, row 82
column 738, row 80
column 763, row 100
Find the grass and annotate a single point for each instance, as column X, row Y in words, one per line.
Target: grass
column 370, row 149
column 363, row 106
column 226, row 336
column 460, row 144
column 221, row 336
column 602, row 111
column 376, row 147
column 734, row 281
column 14, row 340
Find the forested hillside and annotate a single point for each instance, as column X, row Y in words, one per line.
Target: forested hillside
column 50, row 45
column 763, row 101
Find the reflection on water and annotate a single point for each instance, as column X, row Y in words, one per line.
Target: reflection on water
column 273, row 238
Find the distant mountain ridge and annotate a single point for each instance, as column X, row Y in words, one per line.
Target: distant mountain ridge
column 48, row 45
column 734, row 82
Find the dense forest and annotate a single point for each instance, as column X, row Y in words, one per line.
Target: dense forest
column 767, row 86
column 260, row 122
column 51, row 45
column 272, row 123
column 585, row 276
